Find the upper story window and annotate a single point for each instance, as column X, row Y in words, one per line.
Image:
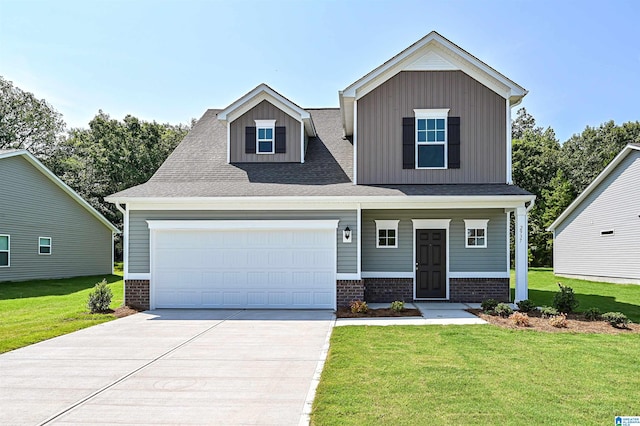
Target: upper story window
column 476, row 233
column 44, row 245
column 387, row 232
column 5, row 249
column 265, row 136
column 431, row 138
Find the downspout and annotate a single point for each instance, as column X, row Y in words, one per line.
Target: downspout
column 120, row 209
column 531, row 204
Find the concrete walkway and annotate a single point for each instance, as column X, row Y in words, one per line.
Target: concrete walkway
column 433, row 313
column 171, row 367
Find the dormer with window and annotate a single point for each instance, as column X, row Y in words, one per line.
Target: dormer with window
column 265, row 127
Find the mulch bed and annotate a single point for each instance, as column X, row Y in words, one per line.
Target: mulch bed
column 576, row 323
column 374, row 313
column 124, row 311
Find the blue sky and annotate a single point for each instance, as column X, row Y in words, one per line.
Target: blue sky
column 171, row 60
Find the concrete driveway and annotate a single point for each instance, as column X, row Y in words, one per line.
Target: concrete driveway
column 170, row 367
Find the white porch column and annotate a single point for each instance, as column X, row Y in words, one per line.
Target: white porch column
column 522, row 261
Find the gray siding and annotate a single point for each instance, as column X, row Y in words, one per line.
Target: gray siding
column 265, row 111
column 33, row 206
column 139, row 230
column 461, row 259
column 579, row 249
column 482, row 128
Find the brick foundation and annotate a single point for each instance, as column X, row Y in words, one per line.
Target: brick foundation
column 478, row 289
column 348, row 291
column 378, row 290
column 136, row 294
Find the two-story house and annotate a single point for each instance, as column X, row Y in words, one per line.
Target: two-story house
column 402, row 193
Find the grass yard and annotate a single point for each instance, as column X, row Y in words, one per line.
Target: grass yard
column 32, row 311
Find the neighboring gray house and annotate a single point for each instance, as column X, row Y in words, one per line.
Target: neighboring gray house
column 597, row 237
column 404, row 192
column 46, row 229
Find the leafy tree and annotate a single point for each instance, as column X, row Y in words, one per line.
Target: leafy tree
column 557, row 198
column 27, row 122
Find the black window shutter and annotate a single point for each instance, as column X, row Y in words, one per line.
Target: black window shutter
column 281, row 140
column 250, row 140
column 408, row 143
column 453, row 149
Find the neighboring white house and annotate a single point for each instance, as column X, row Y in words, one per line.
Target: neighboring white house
column 598, row 236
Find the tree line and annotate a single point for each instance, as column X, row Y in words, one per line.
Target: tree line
column 111, row 155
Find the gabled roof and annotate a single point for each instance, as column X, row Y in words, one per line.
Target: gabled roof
column 431, row 53
column 602, row 176
column 263, row 92
column 45, row 171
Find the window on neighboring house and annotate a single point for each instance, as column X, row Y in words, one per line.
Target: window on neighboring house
column 606, row 233
column 476, row 233
column 265, row 136
column 387, row 232
column 431, row 138
column 44, row 245
column 5, row 249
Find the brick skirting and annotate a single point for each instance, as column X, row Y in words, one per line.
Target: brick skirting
column 136, row 294
column 379, row 290
column 348, row 291
column 478, row 289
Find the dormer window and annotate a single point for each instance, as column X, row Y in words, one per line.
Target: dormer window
column 265, row 136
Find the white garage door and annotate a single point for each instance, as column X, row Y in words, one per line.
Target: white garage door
column 257, row 268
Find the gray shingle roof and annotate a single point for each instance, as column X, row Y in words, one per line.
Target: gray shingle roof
column 198, row 168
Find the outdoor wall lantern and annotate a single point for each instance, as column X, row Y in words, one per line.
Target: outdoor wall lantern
column 346, row 235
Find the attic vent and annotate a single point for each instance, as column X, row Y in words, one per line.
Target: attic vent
column 607, row 232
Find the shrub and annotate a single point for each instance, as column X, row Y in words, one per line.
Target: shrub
column 592, row 314
column 489, row 305
column 565, row 300
column 397, row 306
column 526, row 305
column 503, row 310
column 548, row 311
column 558, row 321
column 100, row 298
column 520, row 319
column 616, row 319
column 359, row 307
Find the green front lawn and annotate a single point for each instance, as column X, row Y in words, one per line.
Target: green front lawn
column 32, row 311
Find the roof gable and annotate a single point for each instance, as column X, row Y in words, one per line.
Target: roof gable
column 31, row 159
column 596, row 182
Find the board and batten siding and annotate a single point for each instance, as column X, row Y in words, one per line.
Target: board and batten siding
column 461, row 259
column 580, row 249
column 482, row 128
column 139, row 230
column 32, row 207
column 265, row 111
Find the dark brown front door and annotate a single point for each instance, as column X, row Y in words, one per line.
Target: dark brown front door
column 431, row 264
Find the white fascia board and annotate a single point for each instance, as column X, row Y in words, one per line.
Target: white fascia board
column 235, row 225
column 55, row 179
column 607, row 170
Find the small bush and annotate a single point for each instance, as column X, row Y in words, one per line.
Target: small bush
column 548, row 311
column 558, row 321
column 397, row 306
column 616, row 319
column 520, row 319
column 100, row 298
column 526, row 305
column 359, row 307
column 489, row 305
column 565, row 300
column 503, row 310
column 592, row 314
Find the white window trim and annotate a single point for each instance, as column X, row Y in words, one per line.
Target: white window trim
column 386, row 225
column 432, row 113
column 266, row 124
column 8, row 251
column 44, row 245
column 475, row 224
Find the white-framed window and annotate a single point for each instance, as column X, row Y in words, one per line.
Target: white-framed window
column 5, row 251
column 44, row 245
column 265, row 136
column 475, row 231
column 387, row 233
column 431, row 138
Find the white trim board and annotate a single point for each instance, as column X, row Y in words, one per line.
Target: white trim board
column 234, row 225
column 377, row 274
